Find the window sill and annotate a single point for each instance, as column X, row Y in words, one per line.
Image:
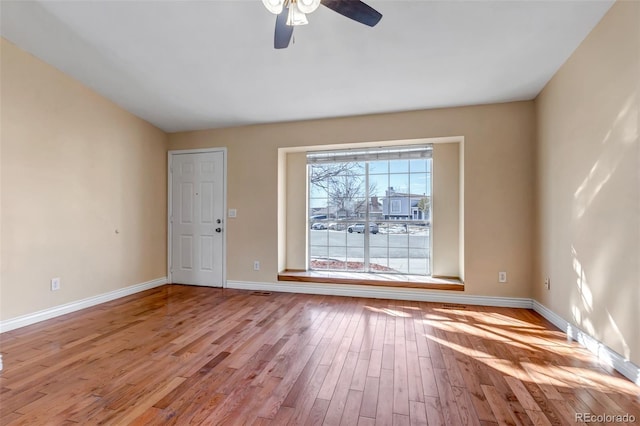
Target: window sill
column 384, row 280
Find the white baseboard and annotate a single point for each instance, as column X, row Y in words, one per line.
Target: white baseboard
column 56, row 311
column 383, row 293
column 596, row 347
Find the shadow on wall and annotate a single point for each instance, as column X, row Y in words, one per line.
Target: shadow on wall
column 604, row 243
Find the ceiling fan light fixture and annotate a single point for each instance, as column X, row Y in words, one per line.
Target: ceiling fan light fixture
column 296, row 17
column 294, row 12
column 274, row 6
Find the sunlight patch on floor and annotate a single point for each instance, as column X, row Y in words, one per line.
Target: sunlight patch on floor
column 387, row 311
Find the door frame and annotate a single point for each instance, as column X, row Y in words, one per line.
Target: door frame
column 170, row 155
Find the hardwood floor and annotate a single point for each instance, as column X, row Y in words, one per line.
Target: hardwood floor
column 180, row 355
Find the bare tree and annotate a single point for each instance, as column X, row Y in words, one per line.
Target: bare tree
column 425, row 205
column 344, row 184
column 346, row 194
column 323, row 174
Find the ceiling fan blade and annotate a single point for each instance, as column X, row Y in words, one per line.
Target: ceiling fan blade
column 283, row 32
column 356, row 10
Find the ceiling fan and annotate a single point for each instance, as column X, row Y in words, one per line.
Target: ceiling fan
column 294, row 12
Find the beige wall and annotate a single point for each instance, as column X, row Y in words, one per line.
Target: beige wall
column 446, row 210
column 297, row 211
column 75, row 167
column 589, row 184
column 499, row 177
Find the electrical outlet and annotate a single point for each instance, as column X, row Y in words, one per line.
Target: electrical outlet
column 256, row 265
column 502, row 277
column 55, row 284
column 547, row 283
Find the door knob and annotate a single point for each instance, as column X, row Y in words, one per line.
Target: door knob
column 218, row 229
column 218, row 221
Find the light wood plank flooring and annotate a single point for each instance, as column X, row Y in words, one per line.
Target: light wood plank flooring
column 192, row 355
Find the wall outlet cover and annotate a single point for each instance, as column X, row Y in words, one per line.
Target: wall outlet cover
column 55, row 284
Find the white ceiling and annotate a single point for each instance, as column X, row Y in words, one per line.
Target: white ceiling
column 186, row 65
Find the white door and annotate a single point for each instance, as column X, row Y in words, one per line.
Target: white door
column 197, row 218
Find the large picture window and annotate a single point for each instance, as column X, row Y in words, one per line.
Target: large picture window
column 370, row 210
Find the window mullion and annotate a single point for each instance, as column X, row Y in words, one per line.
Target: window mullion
column 366, row 217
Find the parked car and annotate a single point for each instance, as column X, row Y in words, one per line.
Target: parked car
column 318, row 226
column 359, row 228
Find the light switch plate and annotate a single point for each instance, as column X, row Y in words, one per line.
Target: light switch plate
column 233, row 212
